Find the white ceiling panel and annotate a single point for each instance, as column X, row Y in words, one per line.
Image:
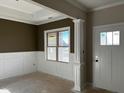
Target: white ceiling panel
column 27, row 11
column 20, row 5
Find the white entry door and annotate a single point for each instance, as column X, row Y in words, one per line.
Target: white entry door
column 101, row 63
column 108, row 55
column 118, row 62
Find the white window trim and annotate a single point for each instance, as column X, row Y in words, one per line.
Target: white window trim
column 55, row 30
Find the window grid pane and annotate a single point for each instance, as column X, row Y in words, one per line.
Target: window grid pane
column 103, row 38
column 63, row 54
column 110, row 38
column 51, row 53
column 58, row 46
column 64, row 38
column 52, row 39
column 116, row 38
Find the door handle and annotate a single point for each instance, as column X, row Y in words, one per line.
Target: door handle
column 97, row 60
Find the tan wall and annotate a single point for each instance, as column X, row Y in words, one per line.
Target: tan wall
column 64, row 7
column 108, row 16
column 89, row 48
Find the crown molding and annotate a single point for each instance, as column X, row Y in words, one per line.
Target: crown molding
column 77, row 4
column 51, row 20
column 31, row 22
column 17, row 19
column 107, row 6
column 82, row 7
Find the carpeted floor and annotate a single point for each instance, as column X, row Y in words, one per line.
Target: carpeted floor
column 39, row 83
column 36, row 83
column 96, row 90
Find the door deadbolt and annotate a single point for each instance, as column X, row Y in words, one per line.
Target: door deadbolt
column 97, row 60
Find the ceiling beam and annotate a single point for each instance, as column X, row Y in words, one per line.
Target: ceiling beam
column 63, row 7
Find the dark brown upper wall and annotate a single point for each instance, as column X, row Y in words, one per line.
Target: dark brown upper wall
column 15, row 36
column 54, row 25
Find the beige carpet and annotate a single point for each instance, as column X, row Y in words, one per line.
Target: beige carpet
column 96, row 90
column 36, row 83
column 40, row 83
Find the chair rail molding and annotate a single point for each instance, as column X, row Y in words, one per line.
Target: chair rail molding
column 79, row 32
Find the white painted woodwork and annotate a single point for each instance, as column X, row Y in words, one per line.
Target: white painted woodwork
column 63, row 70
column 102, row 69
column 77, row 81
column 20, row 63
column 109, row 72
column 95, row 5
column 17, row 63
column 79, row 47
column 28, row 11
column 78, row 27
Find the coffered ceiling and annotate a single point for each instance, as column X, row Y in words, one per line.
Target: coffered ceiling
column 28, row 11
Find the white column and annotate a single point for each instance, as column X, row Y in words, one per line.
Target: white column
column 78, row 25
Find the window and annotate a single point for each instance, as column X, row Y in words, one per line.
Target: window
column 58, row 45
column 110, row 38
column 116, row 38
column 103, row 37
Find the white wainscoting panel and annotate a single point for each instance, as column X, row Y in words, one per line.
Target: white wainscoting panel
column 17, row 63
column 63, row 70
column 77, row 76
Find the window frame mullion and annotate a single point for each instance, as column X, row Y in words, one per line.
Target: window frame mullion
column 57, row 46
